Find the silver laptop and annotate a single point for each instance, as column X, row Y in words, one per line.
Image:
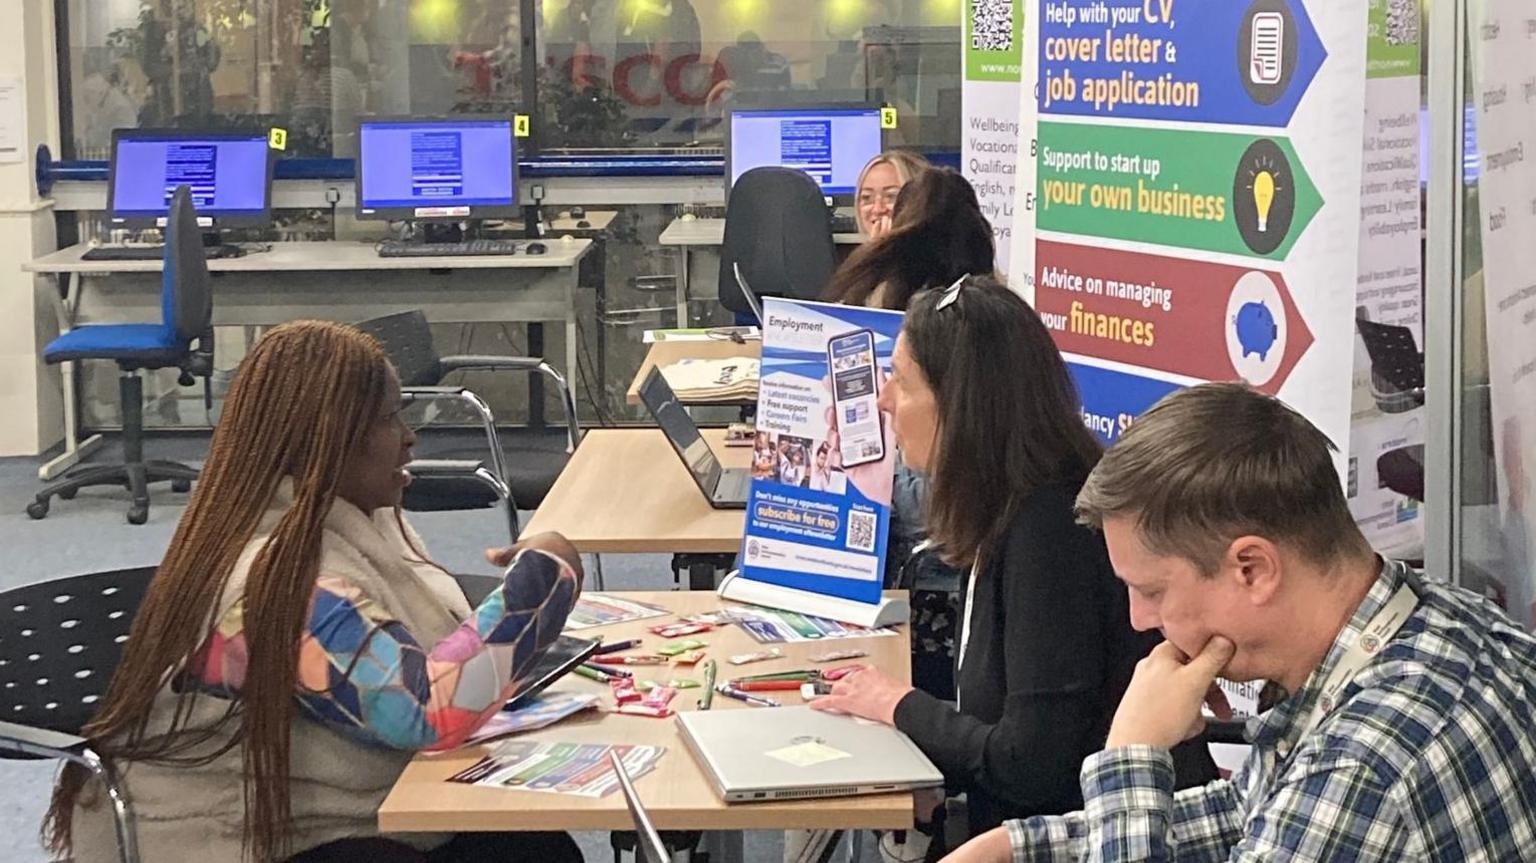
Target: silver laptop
column 724, row 488
column 785, row 753
column 648, row 841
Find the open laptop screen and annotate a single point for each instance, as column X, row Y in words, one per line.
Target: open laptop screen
column 680, row 430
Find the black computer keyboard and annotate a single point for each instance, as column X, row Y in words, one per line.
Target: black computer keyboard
column 401, row 249
column 844, row 224
column 153, row 253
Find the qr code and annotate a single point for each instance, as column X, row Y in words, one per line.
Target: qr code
column 992, row 25
column 861, row 531
column 1402, row 22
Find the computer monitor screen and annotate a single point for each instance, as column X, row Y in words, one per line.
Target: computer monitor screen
column 436, row 169
column 230, row 176
column 830, row 144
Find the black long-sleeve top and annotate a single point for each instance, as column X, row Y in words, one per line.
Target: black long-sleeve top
column 1050, row 652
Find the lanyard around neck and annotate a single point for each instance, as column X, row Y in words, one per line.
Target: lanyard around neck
column 1373, row 638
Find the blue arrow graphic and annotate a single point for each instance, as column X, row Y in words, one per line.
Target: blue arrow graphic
column 1202, row 61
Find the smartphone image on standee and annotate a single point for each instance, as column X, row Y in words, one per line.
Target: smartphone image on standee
column 855, row 389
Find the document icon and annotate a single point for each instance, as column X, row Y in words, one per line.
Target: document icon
column 1268, row 46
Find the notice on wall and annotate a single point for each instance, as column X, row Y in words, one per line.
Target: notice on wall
column 1197, row 198
column 1387, row 425
column 990, row 137
column 13, row 120
column 1501, row 32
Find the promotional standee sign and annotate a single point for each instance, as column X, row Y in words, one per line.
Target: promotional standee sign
column 994, row 53
column 1198, row 198
column 1385, row 423
column 1198, row 201
column 824, row 456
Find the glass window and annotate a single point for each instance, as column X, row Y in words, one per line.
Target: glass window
column 653, row 75
column 312, row 66
column 616, row 75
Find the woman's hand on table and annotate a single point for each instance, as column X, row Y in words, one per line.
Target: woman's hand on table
column 868, row 693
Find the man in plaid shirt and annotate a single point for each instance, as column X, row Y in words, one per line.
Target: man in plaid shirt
column 1408, row 730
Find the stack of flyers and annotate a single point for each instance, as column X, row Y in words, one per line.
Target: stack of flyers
column 773, row 626
column 547, row 709
column 581, row 769
column 601, row 609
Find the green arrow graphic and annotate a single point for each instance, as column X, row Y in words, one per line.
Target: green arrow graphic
column 1217, row 192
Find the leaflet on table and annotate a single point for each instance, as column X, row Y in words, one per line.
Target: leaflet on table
column 602, row 609
column 580, row 769
column 546, row 709
column 824, row 456
column 773, row 626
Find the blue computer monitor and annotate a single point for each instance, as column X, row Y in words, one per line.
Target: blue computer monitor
column 230, row 175
column 437, row 170
column 830, row 144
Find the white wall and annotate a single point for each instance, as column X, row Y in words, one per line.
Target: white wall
column 30, row 403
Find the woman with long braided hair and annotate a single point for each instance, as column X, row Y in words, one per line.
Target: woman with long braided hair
column 296, row 646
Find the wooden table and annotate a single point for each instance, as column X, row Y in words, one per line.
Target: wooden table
column 625, row 490
column 665, row 353
column 677, row 794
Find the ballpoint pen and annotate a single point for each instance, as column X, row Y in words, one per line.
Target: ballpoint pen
column 593, row 674
column 707, row 697
column 731, row 692
column 800, row 676
column 632, row 659
column 767, row 685
column 609, row 671
column 616, row 646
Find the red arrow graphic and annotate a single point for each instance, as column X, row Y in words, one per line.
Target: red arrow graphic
column 1192, row 318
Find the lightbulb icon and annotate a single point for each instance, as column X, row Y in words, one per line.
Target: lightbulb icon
column 1263, row 197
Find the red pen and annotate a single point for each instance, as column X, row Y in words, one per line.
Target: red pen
column 636, row 659
column 767, row 685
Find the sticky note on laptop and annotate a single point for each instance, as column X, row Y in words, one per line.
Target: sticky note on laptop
column 807, row 753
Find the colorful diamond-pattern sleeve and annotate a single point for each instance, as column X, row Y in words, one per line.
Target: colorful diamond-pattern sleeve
column 364, row 673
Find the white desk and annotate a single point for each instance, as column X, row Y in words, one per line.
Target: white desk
column 357, row 284
column 695, row 236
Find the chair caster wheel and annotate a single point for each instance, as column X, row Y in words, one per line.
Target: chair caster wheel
column 138, row 514
column 68, row 494
column 37, row 509
column 181, row 486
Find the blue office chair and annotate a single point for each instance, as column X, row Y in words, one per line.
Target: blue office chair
column 187, row 310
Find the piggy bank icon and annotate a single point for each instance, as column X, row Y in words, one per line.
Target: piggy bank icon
column 1256, row 329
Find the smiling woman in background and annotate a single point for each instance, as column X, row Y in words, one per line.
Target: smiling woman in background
column 879, row 183
column 297, row 647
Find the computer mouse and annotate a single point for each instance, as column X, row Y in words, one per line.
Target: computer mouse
column 578, row 212
column 583, row 224
column 537, row 248
column 688, row 217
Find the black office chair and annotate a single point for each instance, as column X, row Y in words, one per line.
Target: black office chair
column 186, row 318
column 1397, row 365
column 60, row 642
column 777, row 230
column 456, row 478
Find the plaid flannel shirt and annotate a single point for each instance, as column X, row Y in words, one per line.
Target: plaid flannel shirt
column 1430, row 755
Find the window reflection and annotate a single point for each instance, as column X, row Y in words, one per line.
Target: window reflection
column 614, row 75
